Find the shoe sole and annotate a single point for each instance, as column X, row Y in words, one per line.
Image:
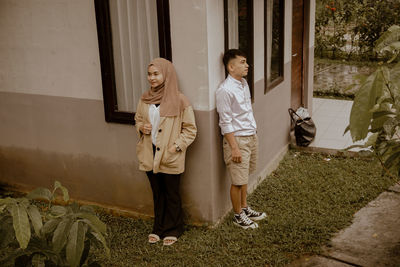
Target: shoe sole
column 246, row 227
column 259, row 218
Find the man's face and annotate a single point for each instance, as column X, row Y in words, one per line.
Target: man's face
column 238, row 67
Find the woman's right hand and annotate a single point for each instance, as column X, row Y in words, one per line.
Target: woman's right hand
column 146, row 128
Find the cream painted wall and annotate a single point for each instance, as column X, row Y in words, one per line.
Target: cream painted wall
column 189, row 49
column 215, row 39
column 288, row 32
column 258, row 40
column 49, row 47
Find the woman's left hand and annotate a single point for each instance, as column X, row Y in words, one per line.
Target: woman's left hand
column 172, row 149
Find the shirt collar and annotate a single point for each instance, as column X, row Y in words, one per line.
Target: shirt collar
column 235, row 81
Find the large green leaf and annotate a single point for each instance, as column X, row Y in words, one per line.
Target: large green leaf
column 75, row 243
column 41, row 193
column 36, row 219
column 372, row 139
column 393, row 160
column 61, row 233
column 391, row 35
column 57, row 211
column 21, row 225
column 50, row 226
column 7, row 201
column 101, row 238
column 395, row 80
column 360, row 116
column 57, row 185
column 95, row 222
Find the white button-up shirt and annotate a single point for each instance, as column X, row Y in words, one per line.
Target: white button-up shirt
column 234, row 108
column 154, row 116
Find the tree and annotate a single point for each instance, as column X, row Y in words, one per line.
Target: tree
column 376, row 107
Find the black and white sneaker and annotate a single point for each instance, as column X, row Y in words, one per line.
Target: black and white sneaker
column 243, row 221
column 254, row 215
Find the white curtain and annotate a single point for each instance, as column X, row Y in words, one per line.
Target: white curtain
column 233, row 24
column 135, row 43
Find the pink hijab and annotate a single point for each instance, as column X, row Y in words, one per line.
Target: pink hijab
column 172, row 101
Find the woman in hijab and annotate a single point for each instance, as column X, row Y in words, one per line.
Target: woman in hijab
column 166, row 127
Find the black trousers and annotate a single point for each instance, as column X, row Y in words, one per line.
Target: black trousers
column 168, row 215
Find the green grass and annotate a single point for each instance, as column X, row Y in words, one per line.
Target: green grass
column 308, row 199
column 360, row 63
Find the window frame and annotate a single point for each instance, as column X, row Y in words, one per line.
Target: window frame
column 269, row 86
column 249, row 36
column 104, row 33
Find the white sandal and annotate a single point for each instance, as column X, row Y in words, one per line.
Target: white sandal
column 169, row 240
column 153, row 238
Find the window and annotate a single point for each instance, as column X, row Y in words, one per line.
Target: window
column 273, row 38
column 239, row 25
column 131, row 33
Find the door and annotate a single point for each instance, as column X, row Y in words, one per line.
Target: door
column 297, row 53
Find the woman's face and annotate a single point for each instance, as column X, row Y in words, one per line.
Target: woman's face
column 154, row 76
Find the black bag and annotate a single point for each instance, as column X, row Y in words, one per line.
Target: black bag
column 304, row 129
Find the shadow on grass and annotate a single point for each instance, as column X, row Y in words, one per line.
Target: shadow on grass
column 308, row 199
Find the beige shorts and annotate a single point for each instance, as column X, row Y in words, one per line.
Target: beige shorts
column 239, row 172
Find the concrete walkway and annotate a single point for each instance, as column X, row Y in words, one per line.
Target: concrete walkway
column 331, row 118
column 373, row 239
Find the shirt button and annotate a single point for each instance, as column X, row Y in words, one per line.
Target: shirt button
column 159, row 130
column 158, row 149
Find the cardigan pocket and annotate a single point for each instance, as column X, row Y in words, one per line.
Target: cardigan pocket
column 171, row 160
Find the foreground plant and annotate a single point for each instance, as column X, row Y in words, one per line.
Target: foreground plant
column 62, row 235
column 376, row 107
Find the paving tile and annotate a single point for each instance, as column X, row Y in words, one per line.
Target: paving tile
column 318, row 261
column 373, row 238
column 330, row 143
column 331, row 118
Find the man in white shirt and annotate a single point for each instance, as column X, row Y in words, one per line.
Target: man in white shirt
column 239, row 129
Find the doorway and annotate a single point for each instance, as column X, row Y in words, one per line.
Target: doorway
column 297, row 83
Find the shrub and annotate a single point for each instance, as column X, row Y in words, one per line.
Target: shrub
column 61, row 236
column 376, row 107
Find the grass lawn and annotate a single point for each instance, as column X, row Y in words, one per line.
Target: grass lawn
column 308, row 199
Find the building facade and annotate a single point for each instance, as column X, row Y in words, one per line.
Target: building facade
column 71, row 72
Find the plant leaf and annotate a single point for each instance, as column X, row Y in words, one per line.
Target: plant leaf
column 8, row 200
column 101, row 238
column 346, row 130
column 87, row 208
column 392, row 160
column 395, row 80
column 21, row 225
column 372, row 139
column 50, row 225
column 36, row 219
column 95, row 222
column 57, row 211
column 61, row 234
column 391, row 35
column 360, row 116
column 41, row 193
column 75, row 243
column 57, row 185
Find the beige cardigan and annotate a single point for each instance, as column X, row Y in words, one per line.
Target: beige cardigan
column 180, row 130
